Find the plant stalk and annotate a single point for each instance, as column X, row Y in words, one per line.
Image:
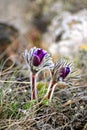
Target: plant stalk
column 33, row 87
column 51, row 90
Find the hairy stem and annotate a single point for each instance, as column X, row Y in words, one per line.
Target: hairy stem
column 33, row 87
column 50, row 90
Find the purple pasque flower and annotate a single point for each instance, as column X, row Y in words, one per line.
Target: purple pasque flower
column 37, row 58
column 61, row 70
column 64, row 71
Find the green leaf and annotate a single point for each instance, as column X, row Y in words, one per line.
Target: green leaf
column 28, row 104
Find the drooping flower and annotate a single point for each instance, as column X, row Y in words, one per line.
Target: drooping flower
column 59, row 73
column 61, row 70
column 64, row 71
column 37, row 59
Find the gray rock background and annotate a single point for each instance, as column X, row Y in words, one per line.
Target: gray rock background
column 16, row 13
column 63, row 23
column 66, row 33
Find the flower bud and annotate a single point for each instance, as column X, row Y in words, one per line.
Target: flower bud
column 64, row 71
column 37, row 59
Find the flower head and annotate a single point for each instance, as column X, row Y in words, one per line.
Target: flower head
column 38, row 56
column 61, row 70
column 64, row 71
column 37, row 59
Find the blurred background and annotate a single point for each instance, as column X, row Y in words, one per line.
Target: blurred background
column 59, row 26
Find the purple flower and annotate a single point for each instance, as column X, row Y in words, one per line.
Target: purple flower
column 64, row 71
column 61, row 70
column 38, row 56
column 37, row 60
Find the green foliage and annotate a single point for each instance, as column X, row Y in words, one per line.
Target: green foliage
column 28, row 105
column 9, row 110
column 12, row 109
column 45, row 102
column 41, row 89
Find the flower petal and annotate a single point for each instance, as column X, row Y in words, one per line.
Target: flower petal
column 36, row 60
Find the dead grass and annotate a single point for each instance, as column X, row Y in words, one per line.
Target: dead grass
column 67, row 111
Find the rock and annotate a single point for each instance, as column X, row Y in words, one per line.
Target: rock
column 74, row 5
column 8, row 34
column 66, row 33
column 16, row 13
column 24, row 13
